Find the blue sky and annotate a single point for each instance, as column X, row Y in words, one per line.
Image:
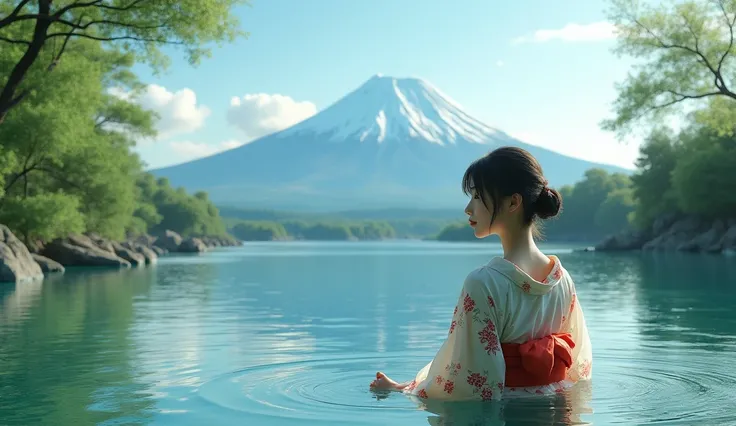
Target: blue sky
column 542, row 71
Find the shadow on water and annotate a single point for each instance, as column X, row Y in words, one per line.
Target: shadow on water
column 66, row 352
column 559, row 409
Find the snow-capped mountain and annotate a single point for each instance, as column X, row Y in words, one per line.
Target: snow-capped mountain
column 390, row 143
column 398, row 109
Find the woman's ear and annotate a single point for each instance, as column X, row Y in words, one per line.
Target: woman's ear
column 514, row 202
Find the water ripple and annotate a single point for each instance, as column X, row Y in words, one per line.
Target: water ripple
column 336, row 389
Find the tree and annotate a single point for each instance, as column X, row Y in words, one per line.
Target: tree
column 652, row 183
column 704, row 176
column 140, row 27
column 687, row 48
column 614, row 212
column 65, row 154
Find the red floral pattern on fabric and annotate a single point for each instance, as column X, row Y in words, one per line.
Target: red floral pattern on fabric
column 449, row 386
column 452, row 326
column 585, row 368
column 572, row 304
column 439, row 379
column 526, row 287
column 486, row 394
column 488, row 336
column 476, row 380
column 422, row 394
column 491, row 303
column 557, row 273
column 468, row 303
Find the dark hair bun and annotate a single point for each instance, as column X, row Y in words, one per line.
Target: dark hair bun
column 548, row 204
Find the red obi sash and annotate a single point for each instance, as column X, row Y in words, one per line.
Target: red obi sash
column 538, row 362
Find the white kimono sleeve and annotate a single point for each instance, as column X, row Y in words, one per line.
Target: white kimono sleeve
column 582, row 354
column 470, row 364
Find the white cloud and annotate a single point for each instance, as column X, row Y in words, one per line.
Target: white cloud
column 572, row 32
column 188, row 150
column 178, row 111
column 260, row 114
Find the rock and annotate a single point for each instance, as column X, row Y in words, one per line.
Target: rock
column 143, row 240
column 148, row 254
column 135, row 258
column 158, row 250
column 169, row 241
column 47, row 265
column 627, row 240
column 35, row 246
column 16, row 262
column 79, row 250
column 708, row 241
column 680, row 233
column 728, row 241
column 104, row 244
column 662, row 223
column 192, row 245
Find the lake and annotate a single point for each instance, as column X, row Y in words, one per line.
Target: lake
column 292, row 333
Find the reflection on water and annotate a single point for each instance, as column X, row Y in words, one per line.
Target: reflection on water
column 291, row 334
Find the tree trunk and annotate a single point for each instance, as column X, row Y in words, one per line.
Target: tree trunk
column 8, row 97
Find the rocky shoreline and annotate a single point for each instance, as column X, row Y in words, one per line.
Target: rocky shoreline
column 677, row 233
column 19, row 262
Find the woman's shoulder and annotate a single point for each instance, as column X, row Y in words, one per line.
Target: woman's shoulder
column 484, row 279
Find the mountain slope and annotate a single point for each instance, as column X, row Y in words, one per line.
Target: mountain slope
column 389, row 143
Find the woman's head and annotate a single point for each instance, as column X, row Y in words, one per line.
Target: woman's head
column 508, row 190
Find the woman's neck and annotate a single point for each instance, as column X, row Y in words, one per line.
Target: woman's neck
column 520, row 249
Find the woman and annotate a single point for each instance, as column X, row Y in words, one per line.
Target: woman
column 518, row 325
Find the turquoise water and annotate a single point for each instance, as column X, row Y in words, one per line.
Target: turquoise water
column 292, row 333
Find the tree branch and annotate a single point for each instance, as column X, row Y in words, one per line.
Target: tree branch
column 55, row 174
column 13, row 17
column 80, row 26
column 13, row 41
column 98, row 38
column 57, row 57
column 718, row 78
column 98, row 4
column 730, row 23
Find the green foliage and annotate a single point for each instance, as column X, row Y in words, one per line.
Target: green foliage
column 161, row 207
column 615, row 211
column 36, row 37
column 652, row 188
column 686, row 50
column 456, row 232
column 688, row 173
column 43, row 216
column 308, row 229
column 704, row 177
column 66, row 159
column 258, row 231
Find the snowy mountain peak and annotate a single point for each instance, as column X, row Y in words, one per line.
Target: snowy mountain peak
column 389, row 108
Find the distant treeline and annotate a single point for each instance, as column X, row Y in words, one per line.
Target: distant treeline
column 264, row 225
column 249, row 230
column 597, row 206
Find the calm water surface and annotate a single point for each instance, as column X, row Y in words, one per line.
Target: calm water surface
column 291, row 334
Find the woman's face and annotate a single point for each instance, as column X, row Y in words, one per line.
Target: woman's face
column 479, row 216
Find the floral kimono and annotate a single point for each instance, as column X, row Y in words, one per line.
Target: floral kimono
column 509, row 334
